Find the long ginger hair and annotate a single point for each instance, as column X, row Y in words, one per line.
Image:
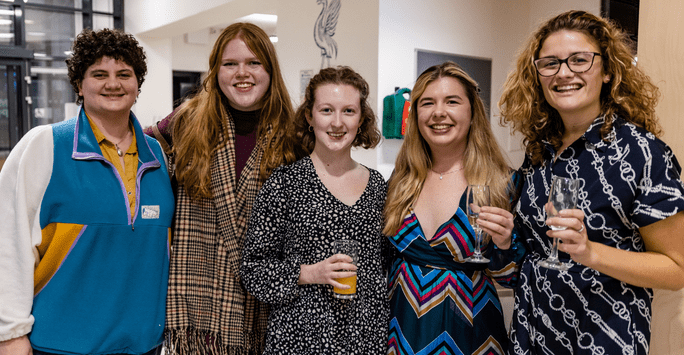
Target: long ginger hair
column 484, row 164
column 629, row 93
column 200, row 122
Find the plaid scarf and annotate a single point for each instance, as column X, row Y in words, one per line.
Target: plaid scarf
column 207, row 309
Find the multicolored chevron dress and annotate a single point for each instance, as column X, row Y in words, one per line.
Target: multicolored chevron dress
column 440, row 304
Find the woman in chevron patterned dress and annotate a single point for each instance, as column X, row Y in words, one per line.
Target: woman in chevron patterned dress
column 438, row 302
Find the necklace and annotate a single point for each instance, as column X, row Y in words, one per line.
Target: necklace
column 118, row 150
column 448, row 172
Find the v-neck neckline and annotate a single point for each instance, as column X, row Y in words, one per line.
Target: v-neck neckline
column 328, row 192
column 441, row 226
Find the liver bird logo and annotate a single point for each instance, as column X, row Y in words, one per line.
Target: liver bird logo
column 324, row 30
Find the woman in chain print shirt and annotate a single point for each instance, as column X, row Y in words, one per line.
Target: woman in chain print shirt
column 587, row 112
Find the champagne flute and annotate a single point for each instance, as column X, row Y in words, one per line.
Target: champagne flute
column 477, row 196
column 563, row 196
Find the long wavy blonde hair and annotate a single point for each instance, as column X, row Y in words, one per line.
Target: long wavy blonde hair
column 484, row 164
column 199, row 123
column 629, row 93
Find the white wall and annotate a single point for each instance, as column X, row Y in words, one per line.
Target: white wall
column 463, row 27
column 191, row 56
column 357, row 42
column 169, row 18
column 156, row 94
column 143, row 16
column 541, row 10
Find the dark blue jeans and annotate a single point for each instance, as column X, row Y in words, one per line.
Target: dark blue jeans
column 155, row 351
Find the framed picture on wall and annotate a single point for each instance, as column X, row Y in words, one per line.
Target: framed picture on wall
column 479, row 69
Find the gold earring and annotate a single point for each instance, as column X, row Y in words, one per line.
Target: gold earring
column 310, row 128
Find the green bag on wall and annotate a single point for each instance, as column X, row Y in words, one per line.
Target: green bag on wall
column 394, row 114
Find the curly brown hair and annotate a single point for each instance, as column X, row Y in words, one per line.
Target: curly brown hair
column 369, row 134
column 90, row 46
column 629, row 93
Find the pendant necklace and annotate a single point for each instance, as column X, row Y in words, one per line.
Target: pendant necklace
column 118, row 150
column 447, row 173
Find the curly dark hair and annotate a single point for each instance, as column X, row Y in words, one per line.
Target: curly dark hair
column 369, row 134
column 90, row 46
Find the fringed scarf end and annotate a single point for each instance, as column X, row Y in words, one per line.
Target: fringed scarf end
column 203, row 342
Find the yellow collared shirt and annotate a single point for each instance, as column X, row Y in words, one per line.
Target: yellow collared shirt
column 130, row 161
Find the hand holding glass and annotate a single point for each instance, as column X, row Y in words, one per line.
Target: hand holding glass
column 563, row 196
column 477, row 196
column 351, row 248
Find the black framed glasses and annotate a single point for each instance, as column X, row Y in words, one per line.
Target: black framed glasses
column 577, row 63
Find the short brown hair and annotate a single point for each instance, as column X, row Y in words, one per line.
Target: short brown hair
column 90, row 46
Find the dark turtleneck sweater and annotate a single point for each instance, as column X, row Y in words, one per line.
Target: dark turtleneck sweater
column 246, row 123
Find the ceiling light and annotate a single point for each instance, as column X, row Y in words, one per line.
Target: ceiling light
column 259, row 18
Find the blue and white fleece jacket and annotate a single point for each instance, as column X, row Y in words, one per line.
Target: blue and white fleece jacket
column 78, row 273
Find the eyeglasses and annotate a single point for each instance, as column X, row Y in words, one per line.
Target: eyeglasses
column 577, row 63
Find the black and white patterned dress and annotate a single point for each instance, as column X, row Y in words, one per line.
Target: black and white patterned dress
column 627, row 182
column 295, row 220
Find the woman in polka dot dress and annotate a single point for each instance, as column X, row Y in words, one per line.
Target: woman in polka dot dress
column 288, row 260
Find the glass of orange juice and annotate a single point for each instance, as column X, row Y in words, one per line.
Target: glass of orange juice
column 351, row 248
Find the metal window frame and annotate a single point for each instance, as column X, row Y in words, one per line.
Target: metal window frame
column 18, row 55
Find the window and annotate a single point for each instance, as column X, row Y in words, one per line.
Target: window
column 35, row 41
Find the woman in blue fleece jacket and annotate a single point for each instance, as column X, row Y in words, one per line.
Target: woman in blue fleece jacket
column 87, row 206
